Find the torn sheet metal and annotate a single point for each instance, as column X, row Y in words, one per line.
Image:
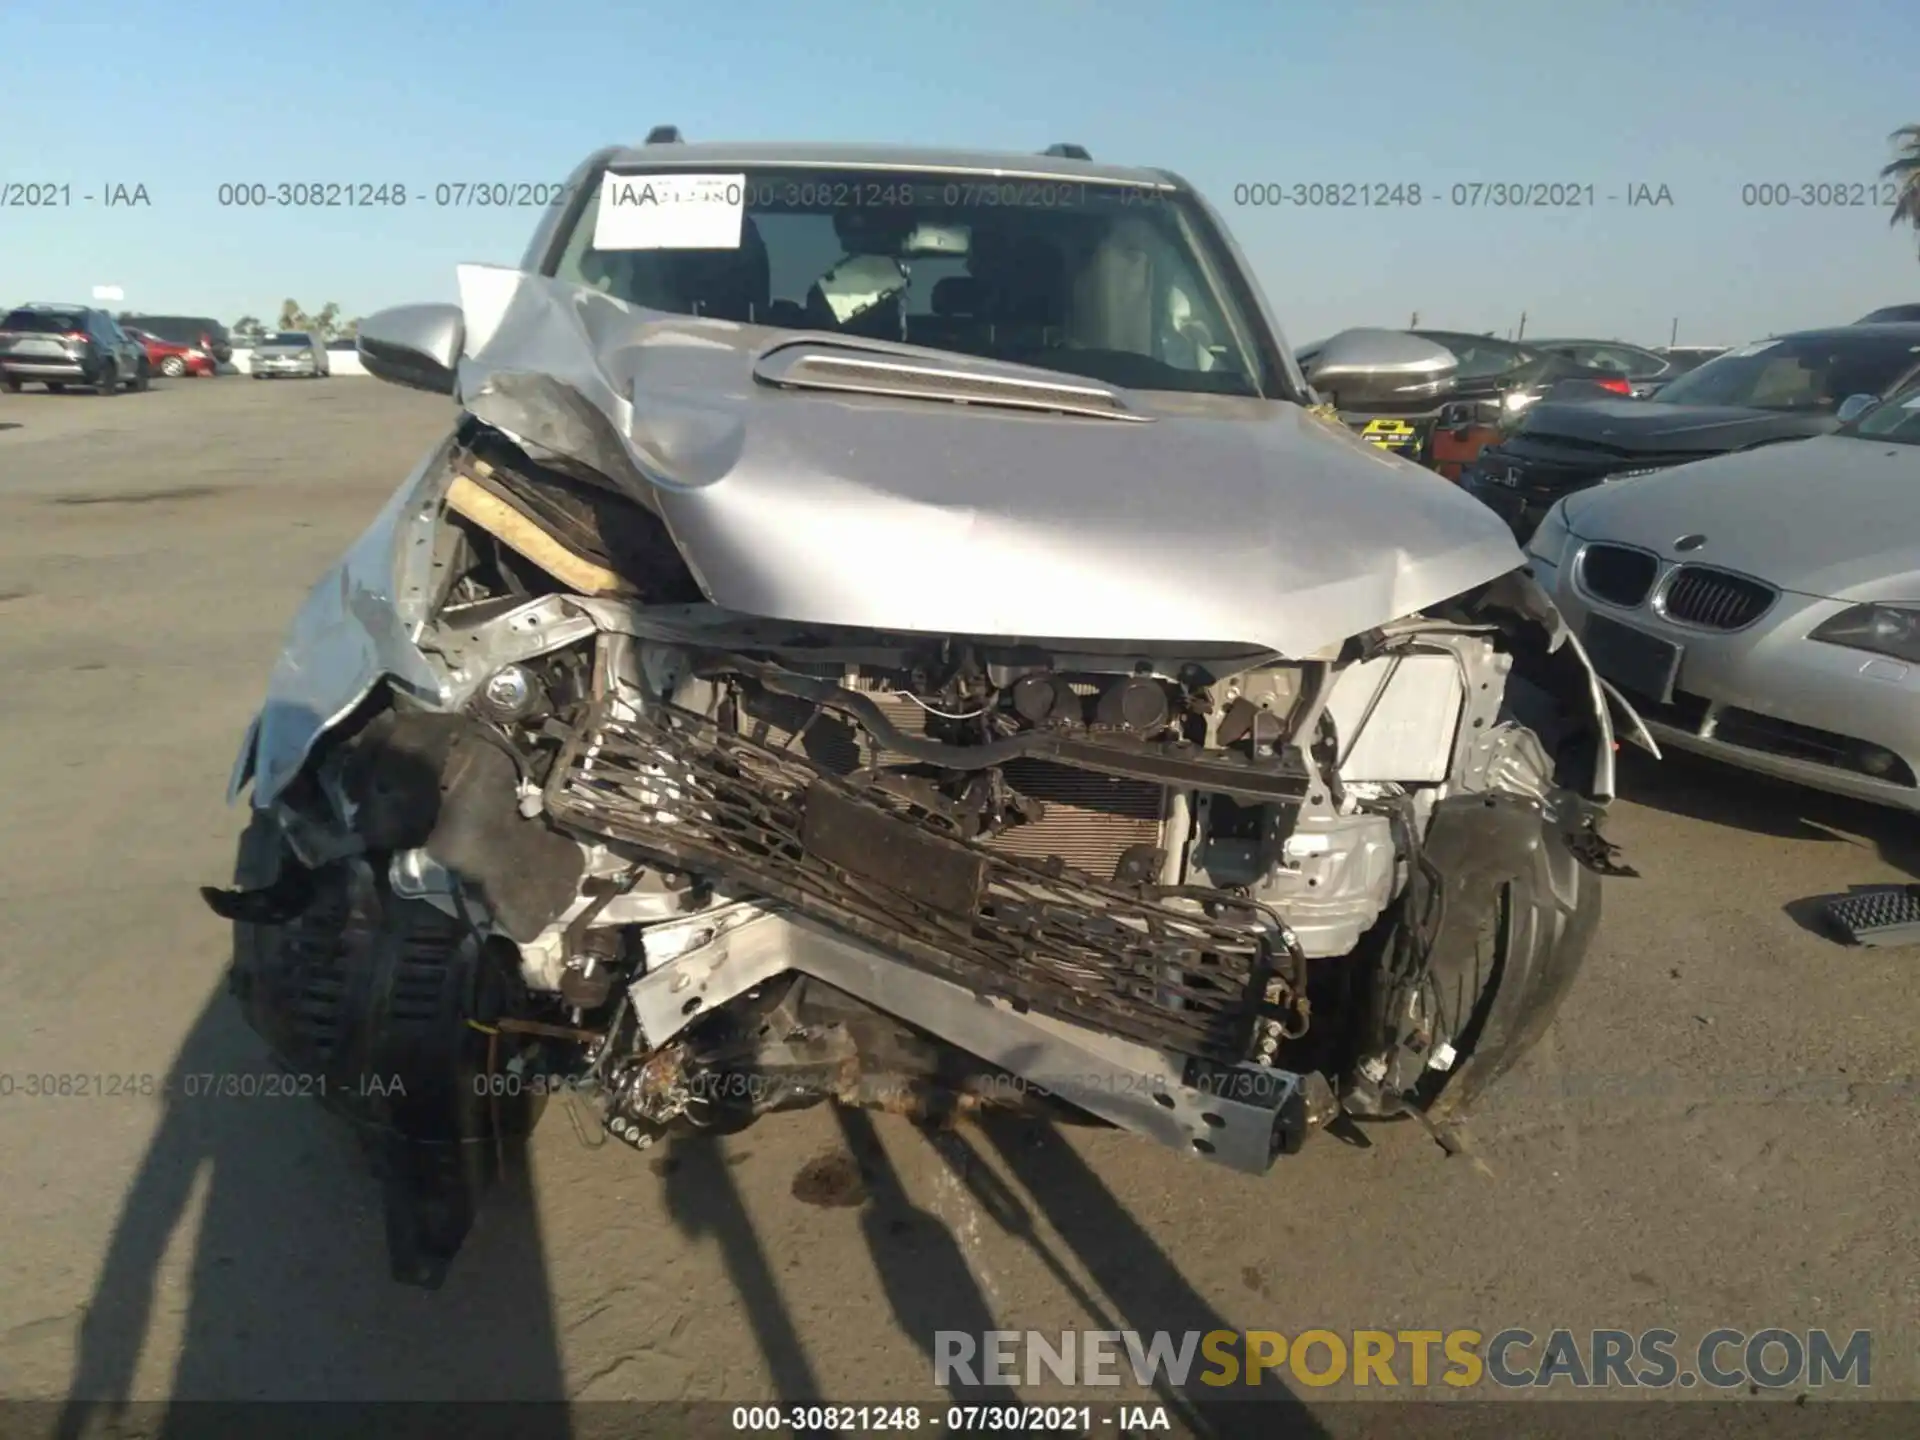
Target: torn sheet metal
column 358, row 625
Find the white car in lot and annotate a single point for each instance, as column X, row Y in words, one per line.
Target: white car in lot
column 290, row 352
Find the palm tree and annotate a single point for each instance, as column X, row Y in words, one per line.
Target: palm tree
column 1905, row 172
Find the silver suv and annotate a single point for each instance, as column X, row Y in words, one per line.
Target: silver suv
column 62, row 345
column 895, row 627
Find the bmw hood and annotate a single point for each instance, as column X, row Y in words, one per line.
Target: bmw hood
column 1649, row 426
column 817, row 479
column 1827, row 517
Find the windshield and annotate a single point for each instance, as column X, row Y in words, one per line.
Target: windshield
column 288, row 337
column 179, row 328
column 1111, row 282
column 1797, row 373
column 1898, row 420
column 45, row 322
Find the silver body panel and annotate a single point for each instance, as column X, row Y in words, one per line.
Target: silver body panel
column 1232, row 520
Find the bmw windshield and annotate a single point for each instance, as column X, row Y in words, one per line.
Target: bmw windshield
column 1122, row 283
column 1797, row 372
column 1898, row 420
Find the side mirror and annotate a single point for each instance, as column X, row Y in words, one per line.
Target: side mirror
column 1854, row 406
column 1382, row 370
column 414, row 345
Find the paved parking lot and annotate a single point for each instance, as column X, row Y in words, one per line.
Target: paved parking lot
column 1719, row 1131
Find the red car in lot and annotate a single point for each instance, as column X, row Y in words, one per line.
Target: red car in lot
column 171, row 359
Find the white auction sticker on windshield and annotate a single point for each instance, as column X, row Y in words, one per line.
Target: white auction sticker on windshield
column 670, row 212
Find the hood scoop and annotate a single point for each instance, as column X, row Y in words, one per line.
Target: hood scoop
column 814, row 365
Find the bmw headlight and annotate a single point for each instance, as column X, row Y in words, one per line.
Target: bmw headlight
column 1883, row 629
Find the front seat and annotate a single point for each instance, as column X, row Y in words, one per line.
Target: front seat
column 954, row 323
column 726, row 284
column 609, row 271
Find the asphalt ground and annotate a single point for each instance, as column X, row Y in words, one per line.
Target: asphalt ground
column 1719, row 1130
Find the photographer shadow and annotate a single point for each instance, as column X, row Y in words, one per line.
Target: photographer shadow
column 930, row 1287
column 287, row 1295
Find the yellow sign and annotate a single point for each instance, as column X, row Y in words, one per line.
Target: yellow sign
column 1388, row 434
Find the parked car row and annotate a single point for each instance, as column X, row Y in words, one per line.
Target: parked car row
column 71, row 346
column 1739, row 551
column 1469, row 387
column 1790, row 387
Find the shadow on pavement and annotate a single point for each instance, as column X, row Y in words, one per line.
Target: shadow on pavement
column 1698, row 789
column 286, row 1293
column 930, row 1287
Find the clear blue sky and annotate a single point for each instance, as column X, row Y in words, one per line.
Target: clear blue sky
column 1703, row 98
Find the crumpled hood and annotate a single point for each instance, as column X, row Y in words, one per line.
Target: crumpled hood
column 1828, row 517
column 1214, row 519
column 1653, row 427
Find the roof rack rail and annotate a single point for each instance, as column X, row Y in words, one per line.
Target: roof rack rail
column 1065, row 151
column 664, row 135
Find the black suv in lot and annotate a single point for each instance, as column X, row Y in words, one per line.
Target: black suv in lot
column 62, row 345
column 198, row 332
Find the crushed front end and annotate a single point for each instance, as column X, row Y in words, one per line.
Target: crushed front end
column 536, row 821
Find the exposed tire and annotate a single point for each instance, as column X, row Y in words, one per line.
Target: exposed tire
column 173, row 367
column 13, row 386
column 143, row 379
column 324, row 991
column 108, row 383
column 54, row 387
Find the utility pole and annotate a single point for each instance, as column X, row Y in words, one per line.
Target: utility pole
column 1522, row 333
column 1414, row 322
column 1673, row 335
